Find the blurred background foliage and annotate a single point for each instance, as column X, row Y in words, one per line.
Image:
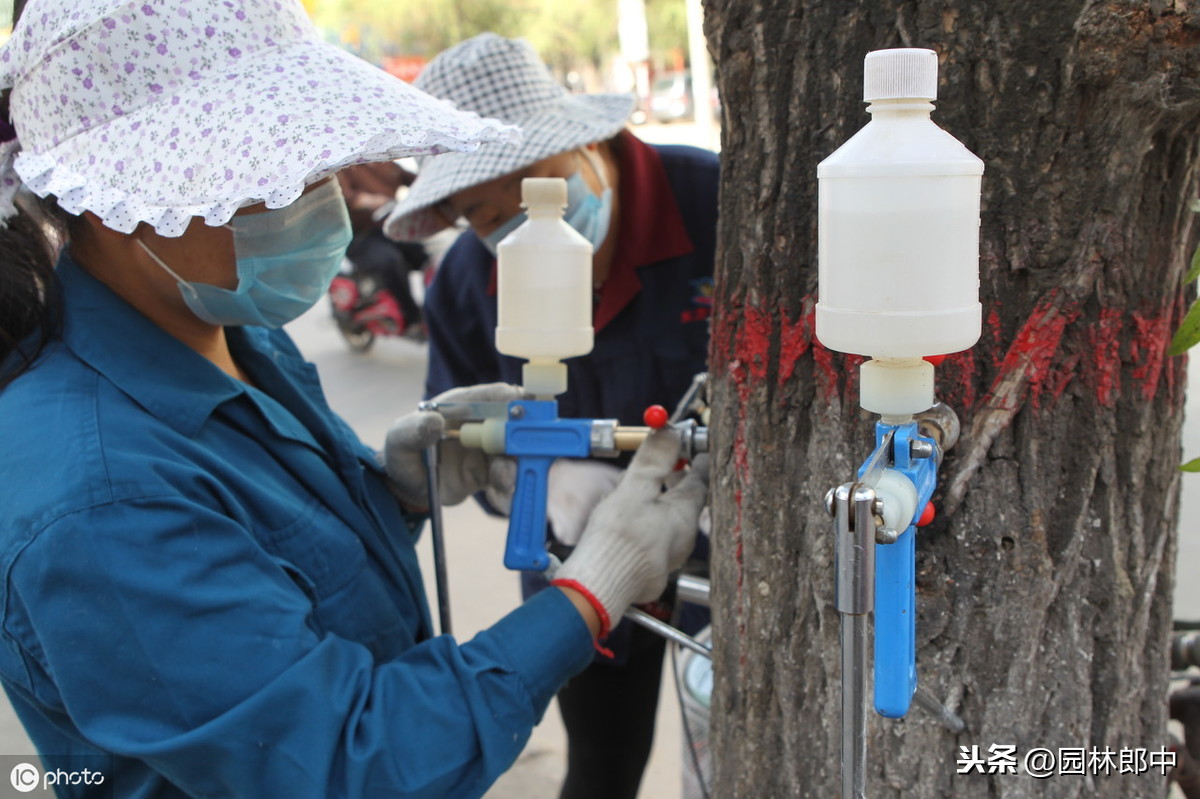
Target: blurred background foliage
column 568, row 34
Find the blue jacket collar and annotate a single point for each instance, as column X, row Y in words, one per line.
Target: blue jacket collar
column 162, row 374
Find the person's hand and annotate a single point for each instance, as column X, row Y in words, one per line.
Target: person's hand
column 640, row 533
column 573, row 489
column 462, row 471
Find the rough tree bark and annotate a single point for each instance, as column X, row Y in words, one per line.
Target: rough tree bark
column 1045, row 584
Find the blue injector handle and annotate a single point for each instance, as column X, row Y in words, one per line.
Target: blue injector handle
column 535, row 436
column 895, row 581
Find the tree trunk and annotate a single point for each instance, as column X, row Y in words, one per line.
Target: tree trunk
column 1044, row 585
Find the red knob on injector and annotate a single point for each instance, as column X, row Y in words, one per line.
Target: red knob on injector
column 926, row 515
column 936, row 360
column 656, row 416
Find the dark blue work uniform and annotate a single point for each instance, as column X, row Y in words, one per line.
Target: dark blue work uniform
column 209, row 587
column 651, row 338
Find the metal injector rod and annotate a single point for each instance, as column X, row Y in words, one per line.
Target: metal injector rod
column 853, row 508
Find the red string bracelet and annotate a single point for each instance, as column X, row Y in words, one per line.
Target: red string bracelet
column 605, row 621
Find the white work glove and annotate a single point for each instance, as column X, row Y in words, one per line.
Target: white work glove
column 462, row 471
column 640, row 533
column 573, row 489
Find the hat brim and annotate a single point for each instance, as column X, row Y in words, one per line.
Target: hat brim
column 574, row 121
column 284, row 118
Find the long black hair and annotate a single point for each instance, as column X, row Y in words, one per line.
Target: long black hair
column 30, row 302
column 29, row 297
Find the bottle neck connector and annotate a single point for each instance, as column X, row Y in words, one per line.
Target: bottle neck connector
column 544, row 379
column 911, row 107
column 896, row 388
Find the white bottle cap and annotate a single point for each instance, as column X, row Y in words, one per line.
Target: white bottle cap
column 544, row 191
column 907, row 73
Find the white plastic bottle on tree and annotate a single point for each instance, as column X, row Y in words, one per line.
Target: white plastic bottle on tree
column 898, row 247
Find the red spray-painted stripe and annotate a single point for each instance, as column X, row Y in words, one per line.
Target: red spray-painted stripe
column 996, row 329
column 1148, row 350
column 1103, row 368
column 1032, row 351
column 956, row 380
column 794, row 339
column 754, row 341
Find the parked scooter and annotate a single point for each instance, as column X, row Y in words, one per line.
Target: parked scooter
column 372, row 297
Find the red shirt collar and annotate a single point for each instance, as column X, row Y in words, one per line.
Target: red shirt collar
column 650, row 227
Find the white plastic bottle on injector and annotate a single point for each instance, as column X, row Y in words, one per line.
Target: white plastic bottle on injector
column 898, row 237
column 544, row 289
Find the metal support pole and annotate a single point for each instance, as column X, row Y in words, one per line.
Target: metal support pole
column 438, row 538
column 854, row 525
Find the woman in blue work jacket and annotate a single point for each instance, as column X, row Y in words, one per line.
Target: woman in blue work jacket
column 650, row 213
column 210, row 585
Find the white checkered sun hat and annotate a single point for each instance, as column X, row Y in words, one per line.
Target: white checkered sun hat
column 501, row 78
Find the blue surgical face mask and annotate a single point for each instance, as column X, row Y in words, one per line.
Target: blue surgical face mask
column 588, row 214
column 286, row 259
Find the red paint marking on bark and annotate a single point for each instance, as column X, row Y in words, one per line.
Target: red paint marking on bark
column 1103, row 368
column 956, row 380
column 738, row 373
column 997, row 332
column 794, row 340
column 1033, row 349
column 754, row 341
column 1148, row 350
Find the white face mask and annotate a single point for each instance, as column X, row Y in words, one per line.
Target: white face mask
column 286, row 258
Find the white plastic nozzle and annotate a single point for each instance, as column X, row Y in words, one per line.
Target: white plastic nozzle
column 896, row 387
column 544, row 378
column 544, row 191
column 908, row 73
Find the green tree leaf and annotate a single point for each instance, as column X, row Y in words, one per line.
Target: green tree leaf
column 1188, row 333
column 1191, row 466
column 1194, row 271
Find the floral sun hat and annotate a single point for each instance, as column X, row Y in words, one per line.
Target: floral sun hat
column 158, row 111
column 505, row 79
